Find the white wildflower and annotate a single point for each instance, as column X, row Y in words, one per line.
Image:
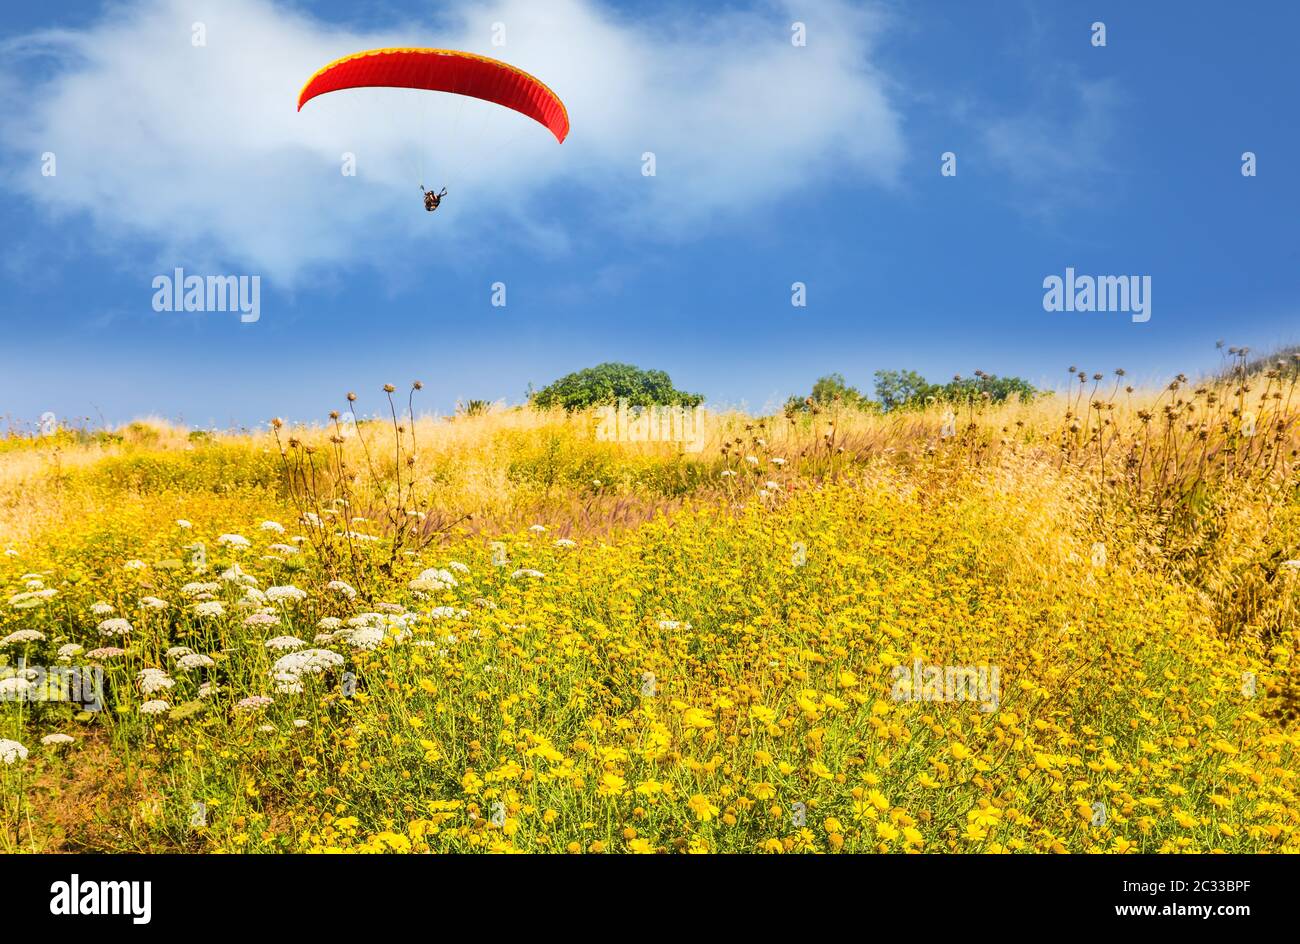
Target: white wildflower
column 15, row 688
column 236, row 575
column 366, row 637
column 338, row 586
column 308, row 662
column 284, row 643
column 154, row 680
column 287, row 594
column 105, row 652
column 433, row 580
column 22, row 637
column 32, row 598
column 114, row 627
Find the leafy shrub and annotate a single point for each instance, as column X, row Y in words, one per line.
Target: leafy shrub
column 610, row 382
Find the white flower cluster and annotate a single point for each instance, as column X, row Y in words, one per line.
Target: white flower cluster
column 114, row 627
column 288, row 594
column 366, row 637
column 293, row 666
column 152, row 681
column 235, row 574
column 32, row 598
column 21, row 637
column 338, row 586
column 199, row 588
column 15, row 688
column 285, row 643
column 68, row 650
column 433, row 580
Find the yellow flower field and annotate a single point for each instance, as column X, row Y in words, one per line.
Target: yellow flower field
column 1065, row 626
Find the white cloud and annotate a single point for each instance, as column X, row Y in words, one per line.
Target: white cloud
column 200, row 153
column 1057, row 147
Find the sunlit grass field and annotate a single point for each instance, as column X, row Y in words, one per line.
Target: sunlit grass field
column 496, row 633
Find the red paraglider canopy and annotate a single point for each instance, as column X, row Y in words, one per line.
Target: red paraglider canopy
column 444, row 70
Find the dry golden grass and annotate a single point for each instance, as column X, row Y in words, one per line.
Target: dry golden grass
column 1127, row 559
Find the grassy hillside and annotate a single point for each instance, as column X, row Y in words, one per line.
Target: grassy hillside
column 497, row 633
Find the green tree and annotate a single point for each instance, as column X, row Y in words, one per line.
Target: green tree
column 899, row 388
column 966, row 389
column 831, row 390
column 610, row 382
column 902, row 389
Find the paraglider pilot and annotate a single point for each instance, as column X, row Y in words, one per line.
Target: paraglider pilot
column 431, row 199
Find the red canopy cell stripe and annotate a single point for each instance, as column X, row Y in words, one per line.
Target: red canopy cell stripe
column 444, row 70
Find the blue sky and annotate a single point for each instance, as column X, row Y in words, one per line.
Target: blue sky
column 775, row 164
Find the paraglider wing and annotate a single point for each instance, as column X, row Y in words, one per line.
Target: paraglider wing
column 444, row 70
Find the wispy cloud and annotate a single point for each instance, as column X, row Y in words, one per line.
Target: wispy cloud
column 198, row 153
column 1062, row 137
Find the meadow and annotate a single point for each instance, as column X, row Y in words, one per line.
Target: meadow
column 1065, row 625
